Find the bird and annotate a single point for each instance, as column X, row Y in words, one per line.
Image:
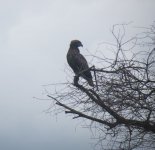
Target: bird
column 77, row 61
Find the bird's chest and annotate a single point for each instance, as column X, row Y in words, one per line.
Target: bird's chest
column 71, row 57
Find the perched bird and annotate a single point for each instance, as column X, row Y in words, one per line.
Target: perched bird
column 77, row 61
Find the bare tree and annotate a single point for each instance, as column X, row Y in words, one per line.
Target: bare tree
column 122, row 105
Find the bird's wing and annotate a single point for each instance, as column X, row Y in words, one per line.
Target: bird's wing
column 83, row 65
column 81, row 62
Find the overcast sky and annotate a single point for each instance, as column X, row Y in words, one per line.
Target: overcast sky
column 34, row 39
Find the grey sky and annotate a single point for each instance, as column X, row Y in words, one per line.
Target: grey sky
column 34, row 39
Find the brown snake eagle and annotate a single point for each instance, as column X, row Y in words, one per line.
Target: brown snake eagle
column 78, row 62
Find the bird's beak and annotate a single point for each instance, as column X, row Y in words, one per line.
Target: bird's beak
column 81, row 45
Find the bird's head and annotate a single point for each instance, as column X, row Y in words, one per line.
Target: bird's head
column 76, row 44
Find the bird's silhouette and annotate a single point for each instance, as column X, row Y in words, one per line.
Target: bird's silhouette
column 78, row 62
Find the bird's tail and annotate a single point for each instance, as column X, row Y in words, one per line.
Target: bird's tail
column 90, row 82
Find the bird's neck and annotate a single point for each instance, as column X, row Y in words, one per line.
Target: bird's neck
column 75, row 49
